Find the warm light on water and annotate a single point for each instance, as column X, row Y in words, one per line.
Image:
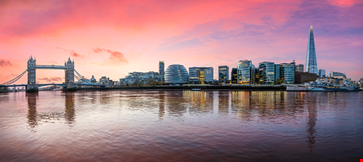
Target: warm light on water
column 181, row 126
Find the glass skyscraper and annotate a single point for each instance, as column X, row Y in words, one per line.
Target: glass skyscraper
column 311, row 65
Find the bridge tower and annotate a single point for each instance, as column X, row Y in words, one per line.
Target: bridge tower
column 69, row 72
column 31, row 85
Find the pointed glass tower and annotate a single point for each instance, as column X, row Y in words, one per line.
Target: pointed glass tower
column 311, row 66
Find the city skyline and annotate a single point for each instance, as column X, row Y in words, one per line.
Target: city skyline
column 135, row 36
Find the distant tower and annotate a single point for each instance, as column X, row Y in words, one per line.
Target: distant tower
column 69, row 72
column 311, row 66
column 31, row 71
column 161, row 70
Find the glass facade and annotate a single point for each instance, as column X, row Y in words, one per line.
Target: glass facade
column 245, row 72
column 277, row 72
column 322, row 73
column 336, row 75
column 176, row 74
column 299, row 68
column 223, row 72
column 266, row 73
column 234, row 75
column 311, row 64
column 287, row 73
column 200, row 74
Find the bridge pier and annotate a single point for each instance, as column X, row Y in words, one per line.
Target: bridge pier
column 71, row 87
column 32, row 88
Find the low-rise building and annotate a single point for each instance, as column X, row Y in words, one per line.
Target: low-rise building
column 303, row 77
column 201, row 75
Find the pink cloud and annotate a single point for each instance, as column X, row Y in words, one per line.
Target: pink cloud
column 5, row 63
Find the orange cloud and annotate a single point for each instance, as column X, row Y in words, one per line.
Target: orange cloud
column 115, row 55
column 5, row 63
column 51, row 79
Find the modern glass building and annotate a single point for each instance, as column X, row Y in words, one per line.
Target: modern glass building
column 287, row 72
column 322, row 73
column 234, row 75
column 245, row 72
column 161, row 70
column 277, row 72
column 299, row 68
column 201, row 74
column 223, row 74
column 311, row 63
column 338, row 75
column 176, row 74
column 266, row 73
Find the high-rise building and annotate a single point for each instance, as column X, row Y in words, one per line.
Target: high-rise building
column 266, row 72
column 245, row 72
column 234, row 75
column 311, row 65
column 223, row 74
column 201, row 74
column 287, row 73
column 161, row 70
column 299, row 68
column 321, row 73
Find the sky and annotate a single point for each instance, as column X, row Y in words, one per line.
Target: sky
column 112, row 38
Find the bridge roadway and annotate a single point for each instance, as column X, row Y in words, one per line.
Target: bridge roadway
column 42, row 85
column 50, row 67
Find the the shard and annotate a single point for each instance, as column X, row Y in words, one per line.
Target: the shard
column 311, row 66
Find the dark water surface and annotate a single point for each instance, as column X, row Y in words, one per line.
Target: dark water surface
column 181, row 126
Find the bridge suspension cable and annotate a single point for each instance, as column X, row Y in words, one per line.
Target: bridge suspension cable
column 15, row 79
column 78, row 76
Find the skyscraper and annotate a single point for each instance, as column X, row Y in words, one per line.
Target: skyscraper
column 245, row 72
column 311, row 66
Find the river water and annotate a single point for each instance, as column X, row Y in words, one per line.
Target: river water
column 181, row 126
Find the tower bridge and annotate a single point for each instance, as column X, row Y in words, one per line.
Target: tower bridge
column 69, row 82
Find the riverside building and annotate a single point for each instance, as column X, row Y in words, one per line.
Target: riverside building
column 161, row 70
column 245, row 72
column 200, row 75
column 266, row 73
column 234, row 75
column 287, row 72
column 176, row 74
column 223, row 72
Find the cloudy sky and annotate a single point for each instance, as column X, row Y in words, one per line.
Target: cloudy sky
column 112, row 38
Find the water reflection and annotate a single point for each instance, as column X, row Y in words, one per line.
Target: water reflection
column 161, row 104
column 32, row 110
column 50, row 113
column 69, row 114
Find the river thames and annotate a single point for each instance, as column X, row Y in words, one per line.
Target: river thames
column 181, row 126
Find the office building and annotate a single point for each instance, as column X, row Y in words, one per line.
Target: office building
column 322, row 73
column 277, row 72
column 140, row 78
column 161, row 70
column 234, row 75
column 245, row 72
column 311, row 63
column 223, row 74
column 201, row 75
column 338, row 75
column 299, row 68
column 266, row 73
column 287, row 73
column 303, row 77
column 176, row 74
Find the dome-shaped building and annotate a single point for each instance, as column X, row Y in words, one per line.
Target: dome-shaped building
column 176, row 74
